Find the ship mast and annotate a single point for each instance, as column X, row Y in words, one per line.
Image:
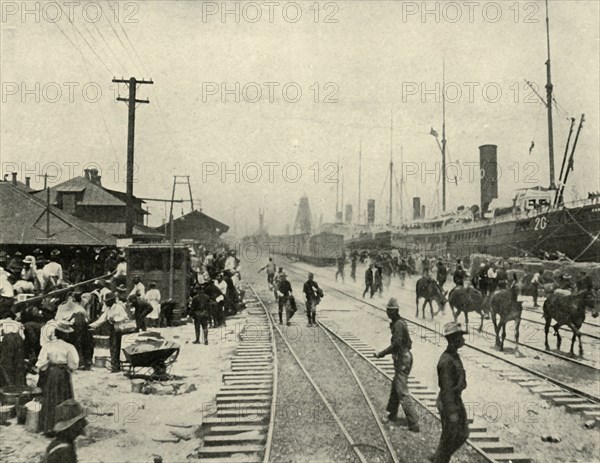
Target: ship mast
column 549, row 88
column 359, row 175
column 391, row 165
column 337, row 191
column 443, row 136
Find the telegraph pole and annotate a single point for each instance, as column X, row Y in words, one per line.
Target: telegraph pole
column 131, row 102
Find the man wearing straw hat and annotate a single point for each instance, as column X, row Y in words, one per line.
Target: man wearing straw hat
column 452, row 381
column 403, row 360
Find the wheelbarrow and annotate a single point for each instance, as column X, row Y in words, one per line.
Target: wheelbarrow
column 151, row 359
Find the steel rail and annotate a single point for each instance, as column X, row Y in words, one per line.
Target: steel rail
column 366, row 396
column 537, row 349
column 308, row 376
column 469, row 442
column 540, row 375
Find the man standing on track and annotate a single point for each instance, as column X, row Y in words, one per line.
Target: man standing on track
column 368, row 280
column 452, row 381
column 313, row 296
column 403, row 360
column 270, row 268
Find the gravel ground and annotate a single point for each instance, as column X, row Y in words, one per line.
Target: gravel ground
column 585, row 379
column 127, row 435
column 411, row 448
column 516, row 415
column 304, row 432
column 345, row 396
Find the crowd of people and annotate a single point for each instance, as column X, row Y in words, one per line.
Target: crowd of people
column 50, row 314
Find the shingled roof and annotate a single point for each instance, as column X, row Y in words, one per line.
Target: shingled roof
column 93, row 194
column 24, row 217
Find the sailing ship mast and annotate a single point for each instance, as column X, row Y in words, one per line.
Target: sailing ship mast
column 549, row 89
column 359, row 177
column 391, row 165
column 443, row 136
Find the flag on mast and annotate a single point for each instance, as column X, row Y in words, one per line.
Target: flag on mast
column 433, row 132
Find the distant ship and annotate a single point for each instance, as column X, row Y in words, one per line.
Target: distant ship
column 536, row 222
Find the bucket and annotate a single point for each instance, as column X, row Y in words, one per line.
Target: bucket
column 137, row 385
column 32, row 420
column 5, row 412
column 100, row 362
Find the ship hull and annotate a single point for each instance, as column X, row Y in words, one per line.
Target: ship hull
column 569, row 231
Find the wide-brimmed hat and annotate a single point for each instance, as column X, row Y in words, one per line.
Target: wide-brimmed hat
column 121, row 288
column 29, row 260
column 283, row 274
column 392, row 304
column 110, row 296
column 67, row 414
column 453, row 328
column 55, row 253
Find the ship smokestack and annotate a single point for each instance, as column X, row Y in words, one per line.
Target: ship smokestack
column 416, row 208
column 422, row 212
column 488, row 163
column 371, row 212
column 348, row 213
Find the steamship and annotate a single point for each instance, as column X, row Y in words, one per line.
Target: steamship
column 537, row 222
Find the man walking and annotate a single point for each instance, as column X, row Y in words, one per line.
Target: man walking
column 452, row 381
column 442, row 274
column 402, row 271
column 270, row 268
column 368, row 280
column 341, row 264
column 284, row 290
column 353, row 267
column 459, row 274
column 200, row 311
column 313, row 296
column 403, row 360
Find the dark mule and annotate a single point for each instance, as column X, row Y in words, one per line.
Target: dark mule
column 428, row 289
column 504, row 303
column 465, row 300
column 570, row 311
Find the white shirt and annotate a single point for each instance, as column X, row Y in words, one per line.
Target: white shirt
column 230, row 263
column 54, row 270
column 66, row 311
column 8, row 325
column 536, row 278
column 114, row 314
column 6, row 288
column 491, row 273
column 121, row 269
column 139, row 290
column 58, row 352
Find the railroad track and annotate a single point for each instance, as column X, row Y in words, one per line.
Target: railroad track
column 363, row 451
column 552, row 353
column 486, row 444
column 557, row 392
column 483, row 441
column 240, row 426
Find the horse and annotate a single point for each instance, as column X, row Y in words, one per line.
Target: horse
column 429, row 290
column 570, row 311
column 505, row 304
column 465, row 300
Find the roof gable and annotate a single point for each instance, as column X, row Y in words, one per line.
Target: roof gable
column 24, row 220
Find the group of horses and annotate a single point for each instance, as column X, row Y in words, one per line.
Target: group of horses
column 503, row 306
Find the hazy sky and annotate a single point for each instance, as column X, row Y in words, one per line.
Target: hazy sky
column 377, row 57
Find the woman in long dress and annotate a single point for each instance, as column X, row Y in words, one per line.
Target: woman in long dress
column 153, row 297
column 56, row 361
